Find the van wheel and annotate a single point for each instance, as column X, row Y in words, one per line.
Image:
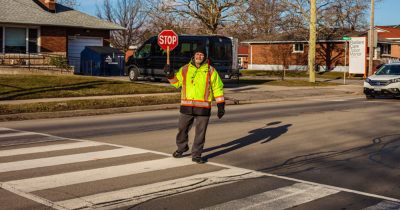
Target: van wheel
column 368, row 96
column 133, row 74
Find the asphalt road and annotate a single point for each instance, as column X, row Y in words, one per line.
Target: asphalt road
column 313, row 153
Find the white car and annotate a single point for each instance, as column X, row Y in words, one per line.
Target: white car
column 385, row 82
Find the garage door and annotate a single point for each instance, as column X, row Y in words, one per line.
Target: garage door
column 76, row 45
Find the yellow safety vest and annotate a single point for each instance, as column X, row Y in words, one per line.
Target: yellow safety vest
column 199, row 85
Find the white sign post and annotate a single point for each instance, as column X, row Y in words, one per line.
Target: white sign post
column 357, row 60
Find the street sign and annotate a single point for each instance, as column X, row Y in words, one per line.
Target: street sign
column 167, row 40
column 358, row 49
column 346, row 38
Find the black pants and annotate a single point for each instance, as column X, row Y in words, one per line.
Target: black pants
column 185, row 123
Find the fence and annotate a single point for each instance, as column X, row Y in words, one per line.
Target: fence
column 44, row 62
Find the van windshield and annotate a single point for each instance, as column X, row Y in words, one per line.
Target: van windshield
column 145, row 50
column 389, row 70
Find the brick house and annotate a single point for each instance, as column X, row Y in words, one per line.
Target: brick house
column 292, row 53
column 39, row 27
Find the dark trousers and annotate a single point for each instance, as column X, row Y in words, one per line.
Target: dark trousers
column 185, row 123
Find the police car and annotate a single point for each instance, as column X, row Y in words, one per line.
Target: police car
column 385, row 82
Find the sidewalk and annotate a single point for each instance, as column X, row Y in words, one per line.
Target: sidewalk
column 243, row 93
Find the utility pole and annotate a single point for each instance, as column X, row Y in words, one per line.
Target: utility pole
column 313, row 40
column 371, row 39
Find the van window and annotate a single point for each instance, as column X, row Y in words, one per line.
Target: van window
column 186, row 49
column 144, row 51
column 221, row 50
column 158, row 51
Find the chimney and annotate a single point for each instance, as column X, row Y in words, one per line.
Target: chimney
column 49, row 4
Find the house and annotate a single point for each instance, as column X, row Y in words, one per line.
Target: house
column 291, row 52
column 44, row 27
column 388, row 49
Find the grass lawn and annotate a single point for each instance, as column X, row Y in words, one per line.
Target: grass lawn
column 87, row 104
column 325, row 75
column 45, row 86
column 290, row 83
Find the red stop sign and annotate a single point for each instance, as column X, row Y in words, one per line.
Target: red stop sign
column 167, row 39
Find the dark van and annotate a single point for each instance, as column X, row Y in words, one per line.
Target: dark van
column 149, row 59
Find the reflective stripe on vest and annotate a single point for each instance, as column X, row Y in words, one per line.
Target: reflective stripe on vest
column 207, row 91
column 184, row 72
column 195, row 103
column 173, row 80
column 220, row 99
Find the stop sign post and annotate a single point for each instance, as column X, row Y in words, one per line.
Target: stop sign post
column 167, row 40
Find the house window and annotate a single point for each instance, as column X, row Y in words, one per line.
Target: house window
column 385, row 49
column 298, row 47
column 15, row 40
column 19, row 40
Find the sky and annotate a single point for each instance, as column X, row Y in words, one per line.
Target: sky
column 386, row 12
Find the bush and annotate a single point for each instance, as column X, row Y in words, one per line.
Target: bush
column 60, row 62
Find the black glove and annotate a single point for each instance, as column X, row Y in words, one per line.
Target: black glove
column 168, row 72
column 221, row 109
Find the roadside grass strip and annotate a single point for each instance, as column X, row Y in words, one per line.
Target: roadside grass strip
column 87, row 104
column 15, row 87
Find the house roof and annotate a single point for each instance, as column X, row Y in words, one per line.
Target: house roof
column 28, row 12
column 388, row 32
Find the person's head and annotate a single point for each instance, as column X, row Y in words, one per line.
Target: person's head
column 199, row 55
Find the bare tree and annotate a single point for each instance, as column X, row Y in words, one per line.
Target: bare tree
column 129, row 14
column 211, row 14
column 265, row 17
column 160, row 18
column 348, row 14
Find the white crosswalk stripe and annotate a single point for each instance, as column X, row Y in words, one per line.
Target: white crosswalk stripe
column 46, row 182
column 49, row 148
column 5, row 135
column 52, row 161
column 281, row 198
column 140, row 194
column 384, row 205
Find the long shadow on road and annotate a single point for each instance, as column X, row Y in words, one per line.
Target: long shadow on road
column 263, row 135
column 383, row 151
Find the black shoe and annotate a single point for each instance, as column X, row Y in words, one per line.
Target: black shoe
column 198, row 160
column 178, row 154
